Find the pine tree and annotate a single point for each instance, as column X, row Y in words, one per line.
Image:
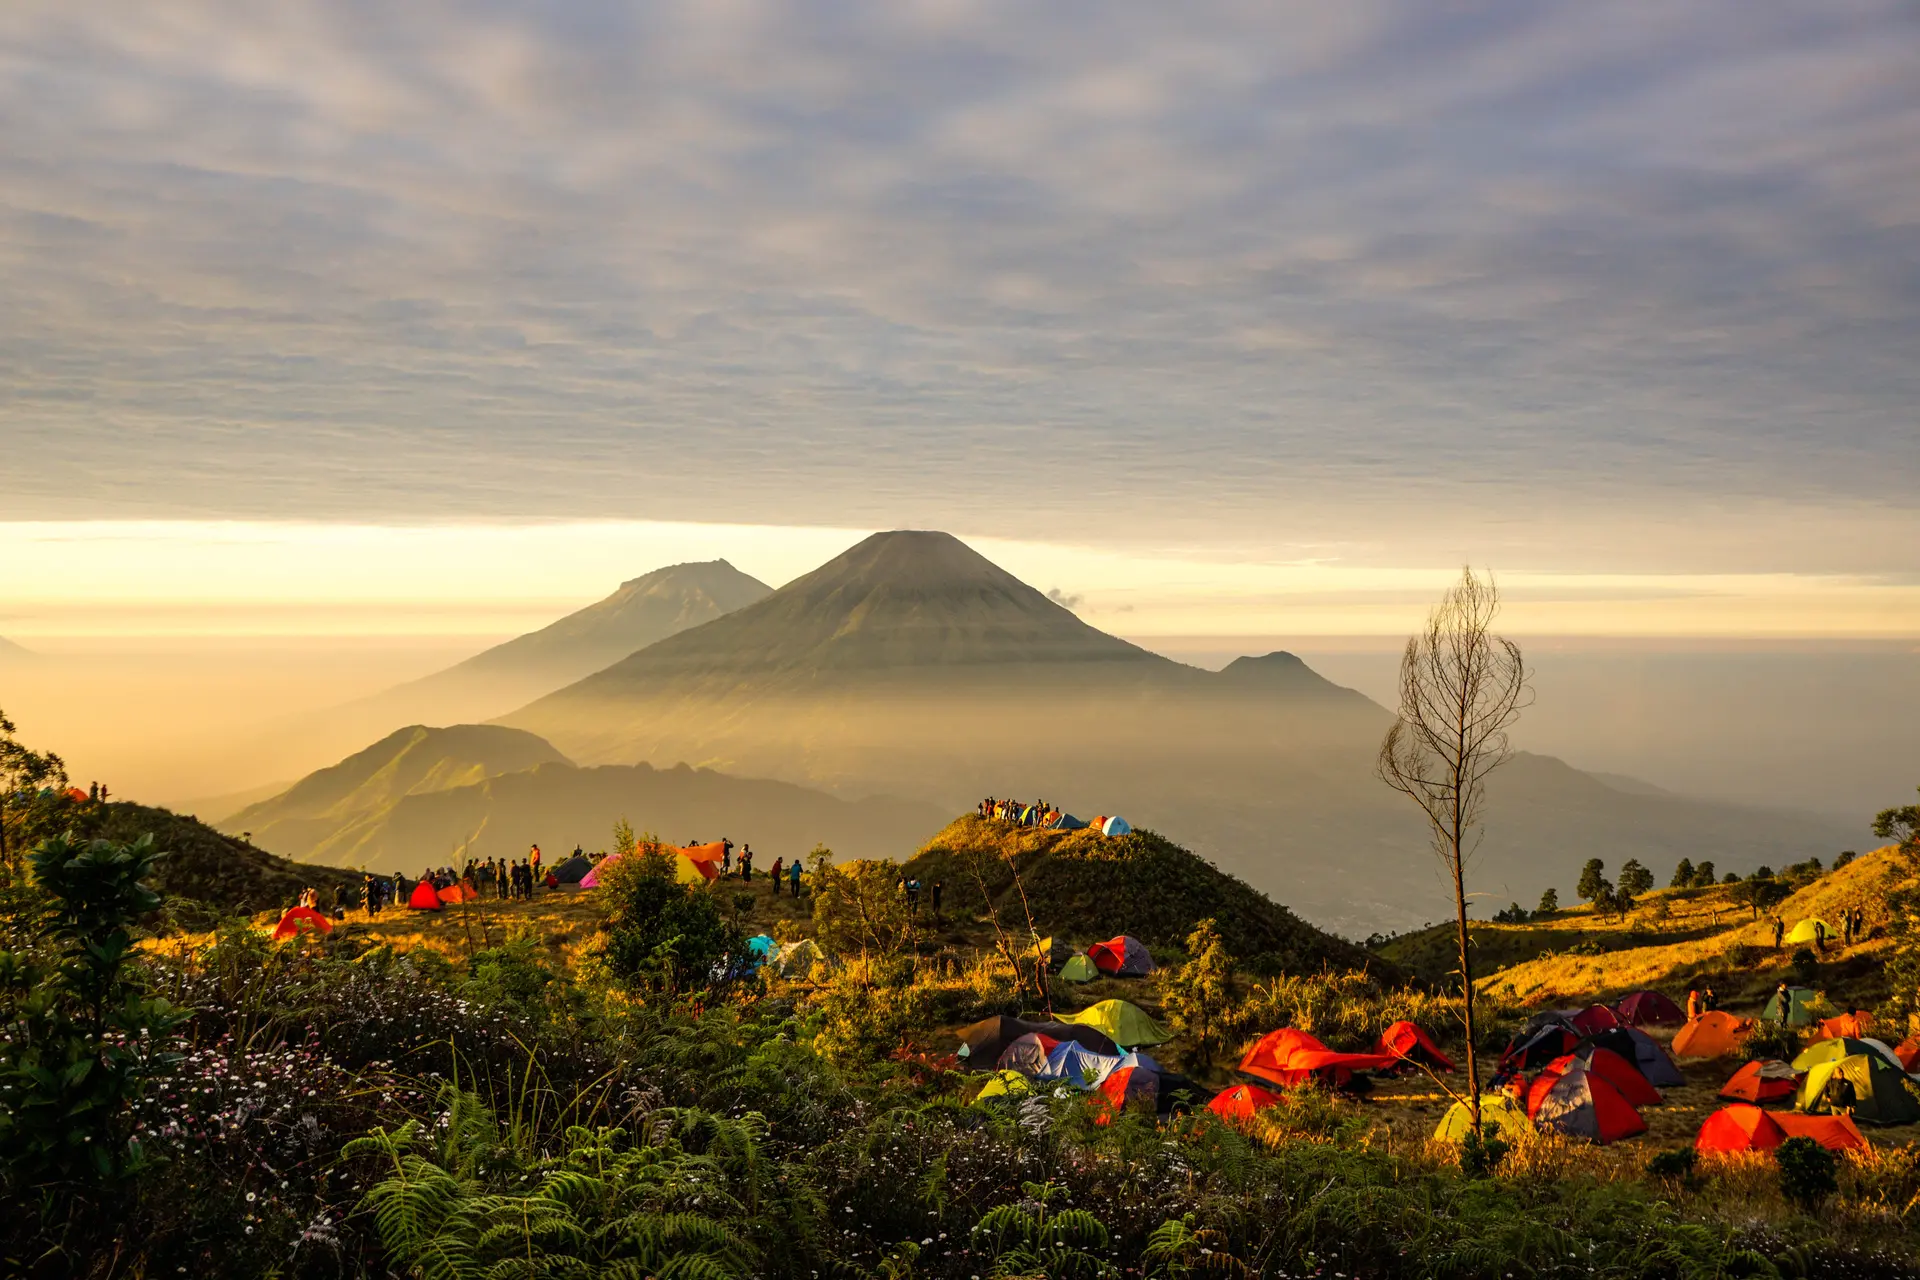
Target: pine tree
column 1682, row 875
column 1549, row 902
column 1704, row 877
column 1200, row 993
column 1634, row 878
column 1593, row 881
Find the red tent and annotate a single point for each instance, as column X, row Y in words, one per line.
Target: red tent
column 1123, row 957
column 424, row 898
column 1582, row 1104
column 1767, row 1080
column 1123, row 1085
column 1409, row 1043
column 1908, row 1051
column 1615, row 1070
column 1290, row 1056
column 1747, row 1128
column 299, row 920
column 454, row 893
column 1242, row 1101
column 1594, row 1019
column 78, row 796
column 1650, row 1009
column 1848, row 1026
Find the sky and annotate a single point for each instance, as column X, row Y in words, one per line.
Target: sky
column 1614, row 298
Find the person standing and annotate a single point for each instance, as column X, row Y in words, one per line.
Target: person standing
column 746, row 863
column 1695, row 1004
column 793, row 878
column 1779, row 933
column 936, row 899
column 776, row 876
column 533, row 862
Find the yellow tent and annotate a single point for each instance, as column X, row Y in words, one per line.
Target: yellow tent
column 1126, row 1025
column 1810, row 929
column 1501, row 1111
column 1004, row 1084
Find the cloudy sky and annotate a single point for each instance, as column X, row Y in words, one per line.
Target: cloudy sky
column 1622, row 299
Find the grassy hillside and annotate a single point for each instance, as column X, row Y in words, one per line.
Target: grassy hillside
column 218, row 870
column 1671, row 941
column 1090, row 887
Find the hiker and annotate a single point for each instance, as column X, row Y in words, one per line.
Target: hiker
column 533, row 862
column 936, row 897
column 793, row 877
column 913, row 896
column 1786, row 1001
column 1696, row 1005
column 726, row 857
column 370, row 898
column 1819, row 935
column 746, row 863
column 1779, row 932
column 1712, row 999
column 776, row 877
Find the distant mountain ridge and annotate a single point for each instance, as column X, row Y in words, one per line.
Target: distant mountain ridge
column 911, row 665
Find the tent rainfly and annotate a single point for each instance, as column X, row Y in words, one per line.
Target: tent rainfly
column 1123, row 957
column 1712, row 1035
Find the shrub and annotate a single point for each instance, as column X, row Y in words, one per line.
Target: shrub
column 1805, row 967
column 662, row 936
column 1808, row 1172
column 1676, row 1165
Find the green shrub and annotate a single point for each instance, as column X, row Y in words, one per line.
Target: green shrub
column 1805, row 967
column 1808, row 1172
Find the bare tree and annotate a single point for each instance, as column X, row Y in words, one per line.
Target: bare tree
column 1461, row 689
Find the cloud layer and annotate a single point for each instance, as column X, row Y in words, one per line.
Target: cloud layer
column 1607, row 286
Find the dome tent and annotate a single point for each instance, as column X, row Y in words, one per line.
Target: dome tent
column 1797, row 1010
column 1763, row 1080
column 1582, row 1104
column 1242, row 1102
column 1615, row 1070
column 1742, row 1127
column 1124, row 957
column 1003, row 1085
column 1650, row 1009
column 1116, row 827
column 1078, row 1065
column 1812, row 929
column 982, row 1043
column 1079, row 969
column 1845, row 1047
column 573, row 870
column 424, row 898
column 1497, row 1110
column 1126, row 1025
column 1712, row 1035
column 1027, row 1055
column 1863, row 1086
column 299, row 920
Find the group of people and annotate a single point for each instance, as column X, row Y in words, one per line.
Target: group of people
column 1020, row 813
column 910, row 890
column 1701, row 1000
column 1853, row 928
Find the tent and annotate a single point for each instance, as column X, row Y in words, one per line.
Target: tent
column 1290, row 1056
column 1909, row 1053
column 1832, row 1050
column 796, row 959
column 424, row 898
column 1067, row 822
column 1003, row 1084
column 1594, row 1019
column 1799, row 1011
column 1615, row 1070
column 1124, row 957
column 694, row 870
column 1712, row 1035
column 762, row 945
column 1242, row 1101
column 1531, row 1050
column 1126, row 1025
column 1078, row 1065
column 982, row 1043
column 298, row 920
column 1862, row 1085
column 1582, row 1104
column 1497, row 1110
column 1649, row 1009
column 1748, row 1128
column 1079, row 969
column 454, row 893
column 1810, row 930
column 1132, row 1081
column 1855, row 1025
column 591, row 880
column 1115, row 827
column 572, row 870
column 1410, row 1044
column 1027, row 1055
column 1054, row 951
column 1652, row 1060
column 1763, row 1080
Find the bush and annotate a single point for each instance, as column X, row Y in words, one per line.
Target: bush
column 1808, row 1172
column 1675, row 1165
column 1805, row 967
column 663, row 936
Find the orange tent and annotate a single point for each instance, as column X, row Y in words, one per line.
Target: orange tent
column 1409, row 1043
column 1290, row 1056
column 1242, row 1101
column 454, row 893
column 424, row 898
column 1747, row 1128
column 78, row 796
column 1763, row 1081
column 699, row 862
column 1848, row 1026
column 298, row 920
column 1711, row 1035
column 1909, row 1053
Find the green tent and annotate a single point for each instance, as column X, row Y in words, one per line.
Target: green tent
column 1501, row 1111
column 1124, row 1024
column 1079, row 969
column 1004, row 1084
column 1809, row 930
column 1054, row 951
column 1863, row 1085
column 1799, row 1012
column 1843, row 1047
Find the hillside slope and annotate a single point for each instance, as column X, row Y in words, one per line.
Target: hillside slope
column 1673, row 940
column 1090, row 887
column 305, row 818
column 212, row 868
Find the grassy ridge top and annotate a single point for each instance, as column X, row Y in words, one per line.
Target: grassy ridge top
column 1672, row 940
column 1088, row 887
column 208, row 867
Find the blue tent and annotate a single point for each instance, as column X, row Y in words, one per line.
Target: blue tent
column 1078, row 1065
column 1116, row 827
